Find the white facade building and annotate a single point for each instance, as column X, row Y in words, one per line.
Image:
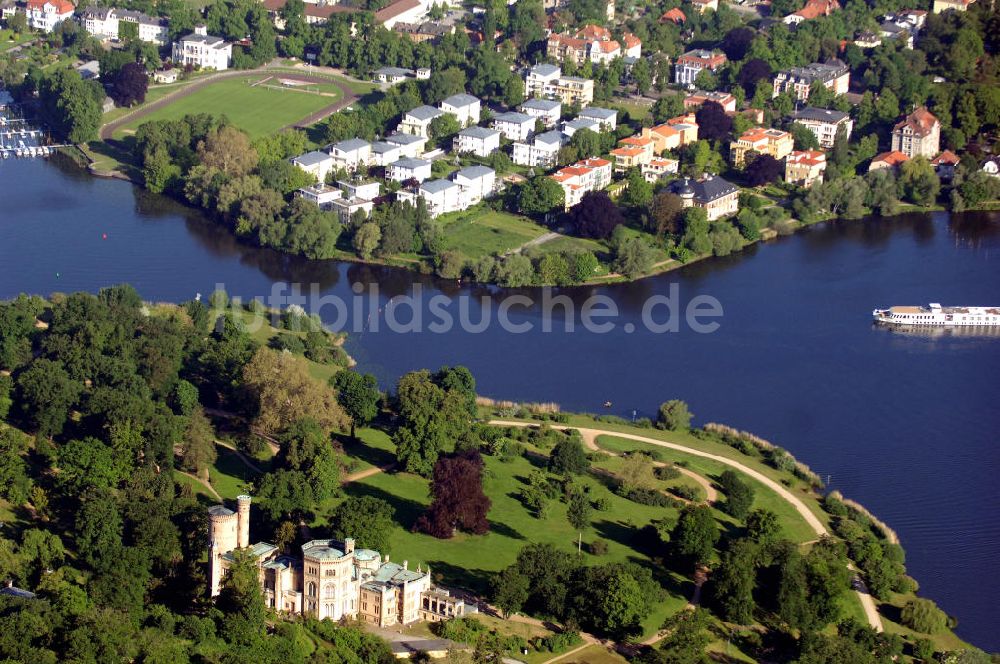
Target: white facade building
column 352, row 154
column 543, row 152
column 547, row 110
column 45, row 15
column 199, row 49
column 418, row 121
column 479, row 141
column 409, row 145
column 477, row 183
column 440, row 196
column 514, row 126
column 408, row 169
column 607, row 118
column 465, row 108
column 316, row 163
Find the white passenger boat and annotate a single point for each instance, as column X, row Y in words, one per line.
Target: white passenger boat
column 936, row 315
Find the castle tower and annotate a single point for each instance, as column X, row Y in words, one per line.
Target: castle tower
column 222, row 538
column 243, row 520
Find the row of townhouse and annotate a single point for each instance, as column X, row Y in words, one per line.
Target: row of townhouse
column 592, row 43
column 543, row 149
column 417, row 121
column 346, row 199
column 466, row 188
column 112, row 23
column 356, row 154
column 646, row 150
column 592, row 174
column 547, row 81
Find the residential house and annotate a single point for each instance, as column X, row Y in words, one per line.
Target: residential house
column 591, row 43
column 314, row 12
column 393, row 75
column 199, row 49
column 693, row 101
column 867, row 39
column 89, row 70
column 824, row 123
column 779, row 144
column 675, row 16
column 348, row 206
column 812, row 9
column 367, row 190
column 833, row 75
column 100, row 22
column 918, row 134
column 418, row 121
column 427, row 31
column 946, row 5
column 384, row 153
column 408, row 169
column 687, row 66
column 894, row 31
column 423, row 73
column 352, row 154
column 633, row 152
column 570, row 127
column 514, row 126
column 320, row 194
column 717, row 196
column 538, row 78
column 944, row 164
column 606, row 117
column 316, row 163
column 479, row 141
column 45, row 15
column 465, row 108
column 672, row 134
column 805, row 167
column 477, row 183
column 8, row 8
column 440, row 196
column 542, row 152
column 591, row 174
column 658, row 168
column 410, row 145
column 546, row 80
column 402, row 11
column 166, row 75
column 547, row 110
column 891, row 160
column 702, row 6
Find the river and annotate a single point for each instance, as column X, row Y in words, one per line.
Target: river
column 905, row 423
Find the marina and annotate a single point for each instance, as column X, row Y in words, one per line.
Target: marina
column 18, row 139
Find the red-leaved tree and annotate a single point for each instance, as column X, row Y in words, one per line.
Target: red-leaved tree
column 458, row 501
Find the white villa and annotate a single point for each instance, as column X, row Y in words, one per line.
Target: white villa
column 477, row 183
column 465, row 108
column 316, row 163
column 547, row 110
column 570, row 127
column 44, row 15
column 199, row 49
column 607, row 118
column 418, row 121
column 410, row 145
column 384, row 153
column 514, row 126
column 352, row 154
column 479, row 141
column 408, row 169
column 106, row 23
column 543, row 152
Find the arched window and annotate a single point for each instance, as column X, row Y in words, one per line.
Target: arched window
column 311, row 589
column 330, row 590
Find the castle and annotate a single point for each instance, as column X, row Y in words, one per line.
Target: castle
column 331, row 579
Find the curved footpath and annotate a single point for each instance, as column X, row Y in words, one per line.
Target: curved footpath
column 348, row 96
column 590, row 438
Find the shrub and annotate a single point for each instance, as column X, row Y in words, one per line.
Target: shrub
column 685, row 492
column 289, row 342
column 602, row 504
column 650, row 497
column 923, row 649
column 922, row 615
column 674, row 415
column 667, row 473
column 597, row 548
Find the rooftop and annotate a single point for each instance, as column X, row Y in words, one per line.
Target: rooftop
column 424, row 113
column 350, row 145
column 514, row 117
column 404, row 139
column 546, row 70
column 431, row 187
column 820, row 115
column 410, row 163
column 598, row 113
column 461, row 100
column 312, row 158
column 475, row 172
column 479, row 132
column 322, row 550
column 542, row 104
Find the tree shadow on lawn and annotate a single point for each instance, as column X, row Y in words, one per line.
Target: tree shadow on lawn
column 357, row 449
column 504, row 530
column 476, row 580
column 406, row 511
column 891, row 613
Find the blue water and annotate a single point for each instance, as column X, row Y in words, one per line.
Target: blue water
column 906, row 424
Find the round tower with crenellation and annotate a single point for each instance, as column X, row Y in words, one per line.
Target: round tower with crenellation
column 223, row 537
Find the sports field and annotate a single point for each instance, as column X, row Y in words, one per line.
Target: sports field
column 258, row 110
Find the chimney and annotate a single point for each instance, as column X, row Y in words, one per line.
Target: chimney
column 201, row 29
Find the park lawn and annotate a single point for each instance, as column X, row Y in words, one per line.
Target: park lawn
column 890, row 611
column 483, row 232
column 636, row 110
column 375, row 448
column 595, row 654
column 201, row 494
column 469, row 561
column 154, row 93
column 9, row 39
column 793, row 526
column 568, row 243
column 257, row 110
column 229, row 475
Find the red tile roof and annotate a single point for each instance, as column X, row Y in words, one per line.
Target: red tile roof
column 675, row 15
column 817, row 8
column 61, row 6
column 894, row 158
column 946, row 157
column 921, row 121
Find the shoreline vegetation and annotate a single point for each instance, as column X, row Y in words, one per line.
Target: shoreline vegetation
column 84, row 160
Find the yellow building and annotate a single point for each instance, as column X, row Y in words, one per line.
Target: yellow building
column 958, row 5
column 672, row 134
column 331, row 579
column 635, row 152
column 779, row 144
